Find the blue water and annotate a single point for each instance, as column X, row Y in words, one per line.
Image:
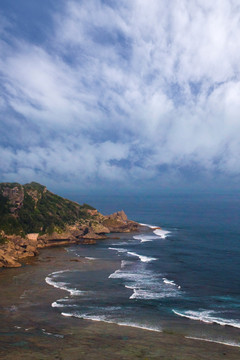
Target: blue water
column 187, row 282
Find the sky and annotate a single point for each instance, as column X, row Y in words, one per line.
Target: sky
column 119, row 96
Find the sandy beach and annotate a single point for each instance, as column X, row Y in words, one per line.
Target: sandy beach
column 32, row 329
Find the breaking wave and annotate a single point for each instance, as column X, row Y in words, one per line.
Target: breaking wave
column 208, row 316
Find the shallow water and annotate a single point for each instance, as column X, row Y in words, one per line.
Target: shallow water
column 183, row 279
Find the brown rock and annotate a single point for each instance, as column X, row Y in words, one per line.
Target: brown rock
column 15, row 195
column 119, row 215
column 8, row 261
column 99, row 228
column 92, row 236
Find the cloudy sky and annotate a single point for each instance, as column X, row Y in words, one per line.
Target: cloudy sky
column 140, row 94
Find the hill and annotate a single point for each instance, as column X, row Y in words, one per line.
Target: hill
column 31, row 208
column 32, row 217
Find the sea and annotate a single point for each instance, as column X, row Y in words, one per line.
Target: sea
column 183, row 277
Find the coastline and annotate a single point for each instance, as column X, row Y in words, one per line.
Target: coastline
column 32, row 329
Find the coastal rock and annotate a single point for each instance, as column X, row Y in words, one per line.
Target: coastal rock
column 8, row 261
column 119, row 215
column 99, row 228
column 32, row 237
column 91, row 235
column 118, row 222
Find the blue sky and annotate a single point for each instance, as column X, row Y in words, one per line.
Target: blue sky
column 131, row 95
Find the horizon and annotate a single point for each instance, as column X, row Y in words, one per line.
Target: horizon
column 119, row 98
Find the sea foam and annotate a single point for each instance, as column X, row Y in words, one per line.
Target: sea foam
column 144, row 238
column 228, row 343
column 207, row 316
column 143, row 258
column 161, row 233
column 51, row 280
column 145, row 283
column 106, row 320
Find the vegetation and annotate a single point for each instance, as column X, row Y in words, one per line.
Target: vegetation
column 2, row 239
column 41, row 210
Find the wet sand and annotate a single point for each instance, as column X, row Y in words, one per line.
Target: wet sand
column 32, row 329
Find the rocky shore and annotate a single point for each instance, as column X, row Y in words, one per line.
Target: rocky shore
column 17, row 249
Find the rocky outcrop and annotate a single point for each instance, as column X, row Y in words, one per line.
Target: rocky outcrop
column 118, row 222
column 99, row 228
column 16, row 249
column 15, row 195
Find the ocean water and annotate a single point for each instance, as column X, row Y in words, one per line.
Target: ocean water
column 182, row 278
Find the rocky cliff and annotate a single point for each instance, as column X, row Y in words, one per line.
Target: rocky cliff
column 31, row 218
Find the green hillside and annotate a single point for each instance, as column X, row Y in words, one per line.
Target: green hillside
column 32, row 208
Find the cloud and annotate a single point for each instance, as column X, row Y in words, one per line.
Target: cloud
column 126, row 92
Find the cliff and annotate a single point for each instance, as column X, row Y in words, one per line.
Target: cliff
column 31, row 218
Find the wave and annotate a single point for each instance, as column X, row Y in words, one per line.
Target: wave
column 150, row 226
column 61, row 285
column 106, row 320
column 161, row 233
column 144, row 238
column 120, row 250
column 170, row 282
column 130, row 276
column 229, row 343
column 90, row 258
column 57, row 304
column 206, row 316
column 145, row 283
column 143, row 258
column 149, row 295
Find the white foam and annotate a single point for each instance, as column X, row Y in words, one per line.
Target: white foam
column 57, row 305
column 141, row 257
column 61, row 285
column 161, row 233
column 144, row 238
column 151, row 295
column 104, row 319
column 207, row 317
column 90, row 258
column 150, row 226
column 120, row 250
column 170, row 282
column 119, row 274
column 229, row 343
column 144, row 282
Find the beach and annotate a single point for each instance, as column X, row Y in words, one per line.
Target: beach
column 32, row 329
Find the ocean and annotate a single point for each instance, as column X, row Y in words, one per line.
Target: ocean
column 182, row 278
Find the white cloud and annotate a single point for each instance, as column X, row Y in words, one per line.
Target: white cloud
column 117, row 92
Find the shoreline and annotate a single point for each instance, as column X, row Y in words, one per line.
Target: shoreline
column 32, row 329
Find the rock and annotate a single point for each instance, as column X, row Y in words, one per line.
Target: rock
column 119, row 215
column 92, row 212
column 8, row 261
column 15, row 195
column 32, row 237
column 90, row 234
column 99, row 228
